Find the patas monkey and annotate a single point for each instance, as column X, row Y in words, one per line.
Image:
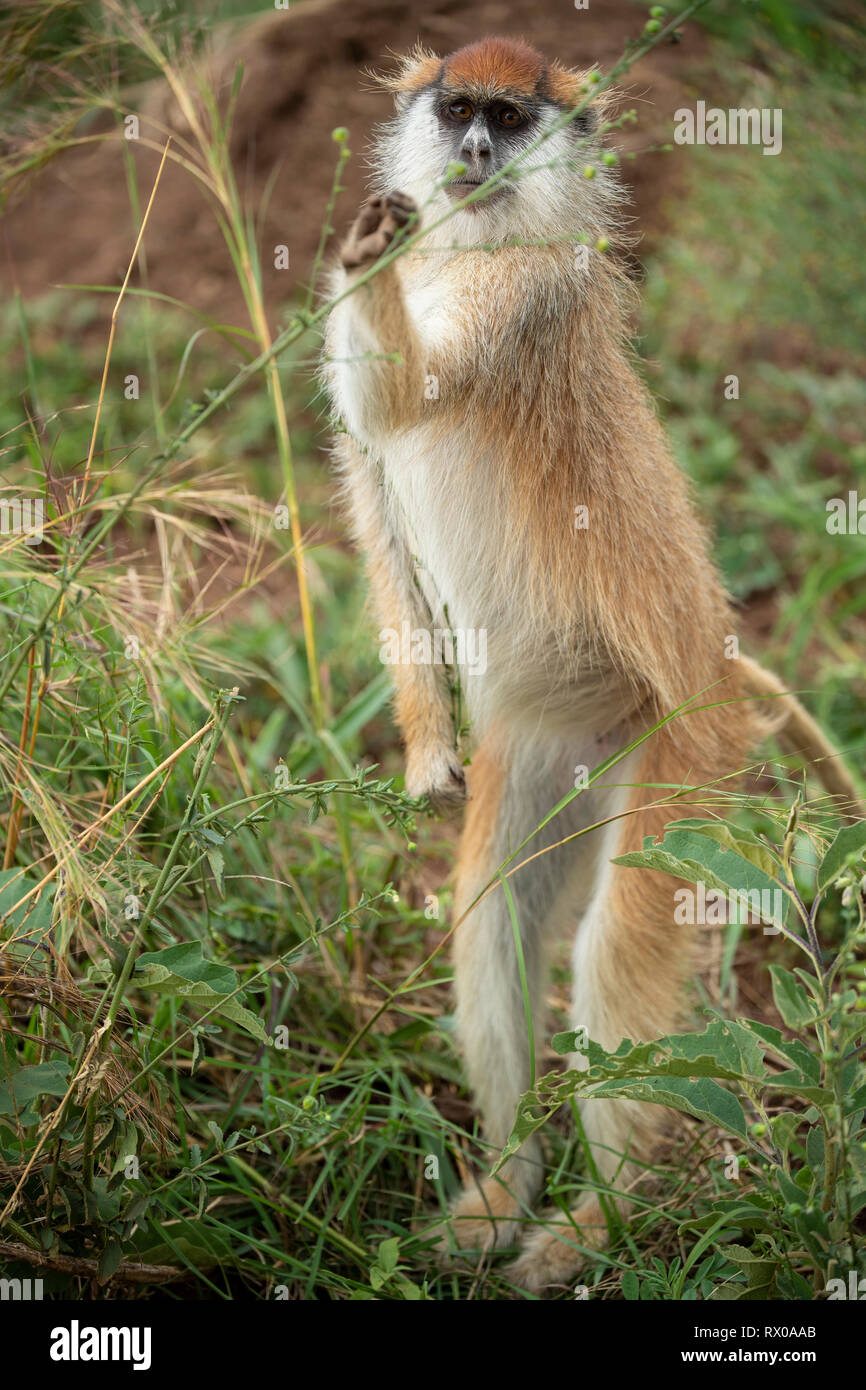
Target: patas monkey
column 532, row 496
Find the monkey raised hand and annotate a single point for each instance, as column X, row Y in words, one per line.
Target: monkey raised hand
column 375, row 228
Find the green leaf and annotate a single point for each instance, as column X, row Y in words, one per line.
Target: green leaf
column 109, row 1261
column 197, row 1256
column 25, row 1084
column 743, row 842
column 185, row 1241
column 725, row 1049
column 815, row 1147
column 722, row 857
column 704, row 1099
column 182, row 971
column 216, row 859
column 794, row 1005
column 790, row 1050
column 389, row 1252
column 746, row 1293
column 756, row 1212
column 127, row 1147
column 794, row 1084
column 791, row 1191
column 102, row 1202
column 784, row 1126
column 681, row 1070
column 187, row 962
column 34, row 918
column 630, row 1286
column 849, row 845
column 740, row 1255
column 856, row 1101
column 728, row 1293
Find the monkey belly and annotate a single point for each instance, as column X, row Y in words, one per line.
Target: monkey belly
column 512, row 668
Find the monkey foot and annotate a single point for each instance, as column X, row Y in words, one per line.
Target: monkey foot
column 554, row 1253
column 482, row 1219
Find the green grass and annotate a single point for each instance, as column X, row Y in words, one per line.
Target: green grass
column 314, row 1164
column 762, row 281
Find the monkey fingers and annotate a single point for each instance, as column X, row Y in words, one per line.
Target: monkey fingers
column 375, row 228
column 401, row 207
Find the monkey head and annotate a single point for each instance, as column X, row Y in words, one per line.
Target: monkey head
column 480, row 109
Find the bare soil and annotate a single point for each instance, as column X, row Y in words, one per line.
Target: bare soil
column 303, row 76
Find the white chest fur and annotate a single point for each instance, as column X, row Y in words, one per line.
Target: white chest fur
column 449, row 508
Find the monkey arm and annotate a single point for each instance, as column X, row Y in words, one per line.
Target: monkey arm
column 422, row 700
column 377, row 365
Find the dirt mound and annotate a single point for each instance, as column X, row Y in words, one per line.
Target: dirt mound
column 301, row 79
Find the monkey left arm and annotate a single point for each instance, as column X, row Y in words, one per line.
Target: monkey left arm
column 422, row 700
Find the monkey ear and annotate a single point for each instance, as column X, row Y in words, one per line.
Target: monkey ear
column 568, row 87
column 415, row 69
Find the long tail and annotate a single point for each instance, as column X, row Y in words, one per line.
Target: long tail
column 799, row 734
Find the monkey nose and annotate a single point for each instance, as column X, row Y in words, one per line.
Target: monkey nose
column 475, row 149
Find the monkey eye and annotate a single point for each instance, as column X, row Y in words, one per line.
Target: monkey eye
column 509, row 116
column 460, row 110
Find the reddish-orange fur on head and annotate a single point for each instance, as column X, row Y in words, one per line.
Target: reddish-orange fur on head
column 495, row 67
column 492, row 67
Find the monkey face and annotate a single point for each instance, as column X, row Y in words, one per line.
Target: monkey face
column 482, row 137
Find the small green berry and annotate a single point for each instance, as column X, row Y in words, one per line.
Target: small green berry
column 759, row 1128
column 602, row 244
column 308, row 1103
column 594, row 77
column 657, row 12
column 589, row 171
column 652, row 26
column 609, row 158
column 340, row 135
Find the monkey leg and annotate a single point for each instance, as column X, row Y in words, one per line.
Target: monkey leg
column 630, row 963
column 512, row 790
